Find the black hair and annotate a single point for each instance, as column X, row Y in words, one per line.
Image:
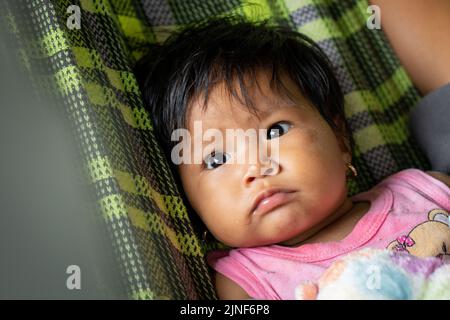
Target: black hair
column 222, row 50
column 192, row 61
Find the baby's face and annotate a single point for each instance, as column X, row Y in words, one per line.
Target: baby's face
column 310, row 172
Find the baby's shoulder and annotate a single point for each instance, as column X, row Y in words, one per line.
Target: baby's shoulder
column 417, row 178
column 414, row 185
column 411, row 185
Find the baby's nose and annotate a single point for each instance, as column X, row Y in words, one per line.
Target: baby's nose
column 269, row 167
column 260, row 170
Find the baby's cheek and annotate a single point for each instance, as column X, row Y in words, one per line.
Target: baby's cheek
column 311, row 136
column 216, row 195
column 304, row 145
column 317, row 139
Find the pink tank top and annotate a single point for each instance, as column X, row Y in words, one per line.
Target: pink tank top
column 406, row 213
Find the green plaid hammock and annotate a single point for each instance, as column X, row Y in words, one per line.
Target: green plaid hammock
column 158, row 252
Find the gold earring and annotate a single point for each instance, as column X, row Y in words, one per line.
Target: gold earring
column 352, row 169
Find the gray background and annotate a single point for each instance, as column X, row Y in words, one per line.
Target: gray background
column 48, row 219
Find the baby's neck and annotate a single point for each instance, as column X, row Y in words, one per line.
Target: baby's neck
column 335, row 227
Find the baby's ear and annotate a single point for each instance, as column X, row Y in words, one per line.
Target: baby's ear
column 342, row 134
column 344, row 145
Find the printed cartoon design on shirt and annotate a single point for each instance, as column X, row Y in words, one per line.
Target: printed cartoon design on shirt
column 428, row 239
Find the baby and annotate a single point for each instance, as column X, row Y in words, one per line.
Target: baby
column 287, row 216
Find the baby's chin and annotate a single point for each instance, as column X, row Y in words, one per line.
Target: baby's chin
column 292, row 234
column 283, row 224
column 285, row 220
column 292, row 228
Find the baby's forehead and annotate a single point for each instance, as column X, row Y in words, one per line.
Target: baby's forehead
column 220, row 113
column 223, row 110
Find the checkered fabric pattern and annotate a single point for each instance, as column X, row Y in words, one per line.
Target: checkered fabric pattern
column 90, row 68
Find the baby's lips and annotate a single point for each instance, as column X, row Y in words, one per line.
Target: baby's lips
column 272, row 200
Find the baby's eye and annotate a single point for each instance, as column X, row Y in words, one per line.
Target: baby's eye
column 215, row 160
column 278, row 129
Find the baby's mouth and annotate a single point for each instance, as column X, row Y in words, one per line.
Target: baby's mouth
column 271, row 199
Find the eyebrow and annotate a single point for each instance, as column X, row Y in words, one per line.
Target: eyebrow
column 271, row 108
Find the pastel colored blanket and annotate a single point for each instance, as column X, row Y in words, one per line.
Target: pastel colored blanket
column 381, row 274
